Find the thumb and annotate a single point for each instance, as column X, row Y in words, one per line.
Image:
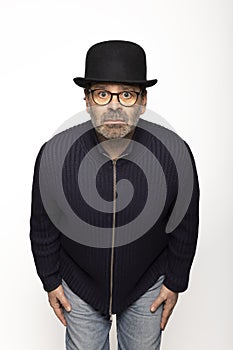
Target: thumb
column 64, row 301
column 158, row 301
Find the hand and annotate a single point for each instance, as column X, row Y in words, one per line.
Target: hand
column 57, row 300
column 169, row 298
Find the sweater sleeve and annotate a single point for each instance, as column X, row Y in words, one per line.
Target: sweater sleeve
column 44, row 236
column 183, row 240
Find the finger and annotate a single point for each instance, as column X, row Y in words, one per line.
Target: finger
column 167, row 311
column 57, row 308
column 65, row 302
column 158, row 301
column 60, row 298
column 60, row 314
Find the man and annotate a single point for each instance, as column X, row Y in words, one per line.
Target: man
column 137, row 269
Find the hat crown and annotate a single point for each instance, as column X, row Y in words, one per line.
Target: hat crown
column 116, row 60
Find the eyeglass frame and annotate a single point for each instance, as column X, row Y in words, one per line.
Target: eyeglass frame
column 115, row 93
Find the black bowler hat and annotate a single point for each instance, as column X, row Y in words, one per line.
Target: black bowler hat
column 115, row 61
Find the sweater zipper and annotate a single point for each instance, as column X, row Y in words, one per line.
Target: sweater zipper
column 113, row 236
column 113, row 231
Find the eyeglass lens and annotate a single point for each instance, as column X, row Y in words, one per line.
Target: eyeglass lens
column 126, row 98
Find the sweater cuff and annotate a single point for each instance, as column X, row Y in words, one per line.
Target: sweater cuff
column 176, row 284
column 52, row 282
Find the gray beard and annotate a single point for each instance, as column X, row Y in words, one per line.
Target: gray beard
column 114, row 131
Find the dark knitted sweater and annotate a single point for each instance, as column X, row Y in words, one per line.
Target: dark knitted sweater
column 136, row 265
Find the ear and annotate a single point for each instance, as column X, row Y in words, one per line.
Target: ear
column 143, row 103
column 86, row 98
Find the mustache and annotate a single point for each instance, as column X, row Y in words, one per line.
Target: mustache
column 115, row 115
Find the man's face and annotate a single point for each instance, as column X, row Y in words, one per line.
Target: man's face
column 114, row 120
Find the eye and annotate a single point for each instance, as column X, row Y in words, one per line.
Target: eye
column 103, row 94
column 126, row 94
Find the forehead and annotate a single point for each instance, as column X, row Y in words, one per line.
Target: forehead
column 114, row 86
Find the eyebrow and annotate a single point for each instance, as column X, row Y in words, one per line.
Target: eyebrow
column 99, row 87
column 128, row 88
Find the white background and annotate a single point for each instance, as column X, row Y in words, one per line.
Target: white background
column 189, row 50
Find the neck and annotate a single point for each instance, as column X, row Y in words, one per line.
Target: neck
column 114, row 147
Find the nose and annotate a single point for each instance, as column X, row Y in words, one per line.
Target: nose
column 114, row 104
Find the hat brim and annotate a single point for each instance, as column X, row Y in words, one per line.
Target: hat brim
column 83, row 82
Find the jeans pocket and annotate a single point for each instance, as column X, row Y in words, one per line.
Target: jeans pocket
column 158, row 283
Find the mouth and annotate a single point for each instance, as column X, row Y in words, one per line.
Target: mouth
column 114, row 122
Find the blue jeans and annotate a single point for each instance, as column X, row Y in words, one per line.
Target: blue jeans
column 137, row 327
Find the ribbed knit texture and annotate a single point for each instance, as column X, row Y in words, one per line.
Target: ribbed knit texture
column 137, row 265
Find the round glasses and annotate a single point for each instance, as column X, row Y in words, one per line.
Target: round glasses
column 125, row 98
